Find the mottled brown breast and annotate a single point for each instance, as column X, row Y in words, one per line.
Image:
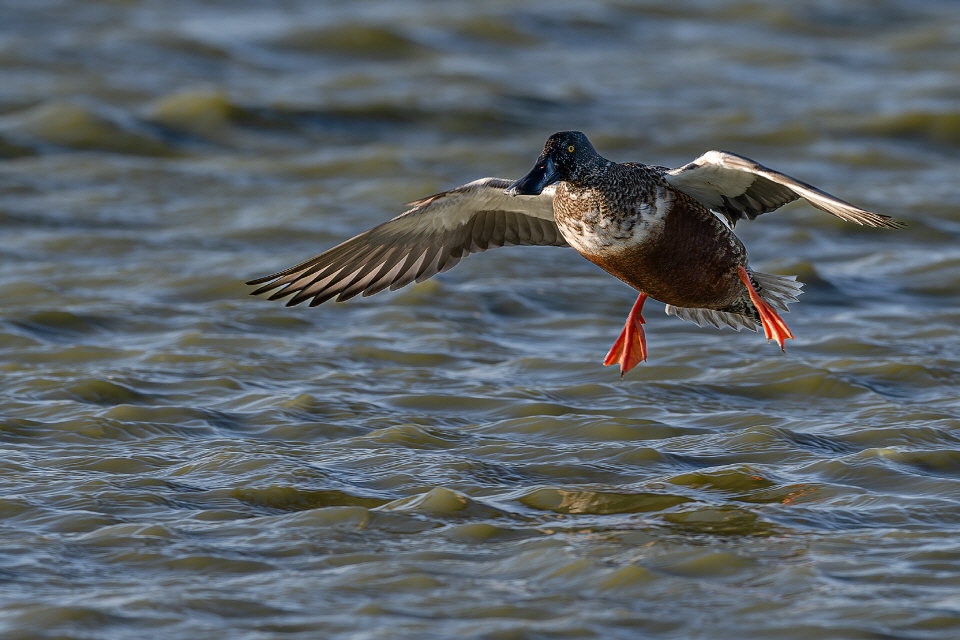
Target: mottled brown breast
column 690, row 261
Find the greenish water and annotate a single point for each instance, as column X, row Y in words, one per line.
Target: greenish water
column 451, row 460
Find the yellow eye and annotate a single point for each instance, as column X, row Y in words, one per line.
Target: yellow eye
column 570, row 149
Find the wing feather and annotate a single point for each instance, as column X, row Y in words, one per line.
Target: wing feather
column 735, row 186
column 430, row 237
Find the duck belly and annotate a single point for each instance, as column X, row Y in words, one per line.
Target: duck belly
column 678, row 253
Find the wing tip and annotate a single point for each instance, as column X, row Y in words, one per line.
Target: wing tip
column 257, row 281
column 270, row 286
column 878, row 221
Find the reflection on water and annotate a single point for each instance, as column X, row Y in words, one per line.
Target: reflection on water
column 452, row 459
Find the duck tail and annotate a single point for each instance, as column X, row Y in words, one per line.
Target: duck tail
column 778, row 291
column 719, row 319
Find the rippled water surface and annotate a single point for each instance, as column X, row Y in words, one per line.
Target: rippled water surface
column 452, row 460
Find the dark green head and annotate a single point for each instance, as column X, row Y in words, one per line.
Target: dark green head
column 567, row 156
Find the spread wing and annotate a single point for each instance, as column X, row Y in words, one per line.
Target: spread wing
column 735, row 186
column 429, row 238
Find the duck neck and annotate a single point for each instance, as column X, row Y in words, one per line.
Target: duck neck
column 592, row 171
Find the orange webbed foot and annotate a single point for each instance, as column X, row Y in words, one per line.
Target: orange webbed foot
column 773, row 327
column 630, row 349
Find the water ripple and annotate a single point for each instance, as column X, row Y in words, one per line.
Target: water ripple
column 452, row 459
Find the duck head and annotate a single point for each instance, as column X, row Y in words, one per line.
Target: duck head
column 566, row 156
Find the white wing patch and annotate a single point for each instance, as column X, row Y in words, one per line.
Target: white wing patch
column 707, row 180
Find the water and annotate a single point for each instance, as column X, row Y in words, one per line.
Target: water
column 451, row 460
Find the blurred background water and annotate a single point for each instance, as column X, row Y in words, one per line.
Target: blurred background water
column 451, row 460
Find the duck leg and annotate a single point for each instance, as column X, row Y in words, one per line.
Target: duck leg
column 630, row 349
column 773, row 326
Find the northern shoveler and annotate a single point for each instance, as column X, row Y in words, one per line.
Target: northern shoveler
column 668, row 233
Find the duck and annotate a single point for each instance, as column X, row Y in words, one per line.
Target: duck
column 667, row 233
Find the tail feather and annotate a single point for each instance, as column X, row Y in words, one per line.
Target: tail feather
column 778, row 291
column 719, row 319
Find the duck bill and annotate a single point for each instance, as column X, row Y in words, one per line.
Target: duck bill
column 542, row 174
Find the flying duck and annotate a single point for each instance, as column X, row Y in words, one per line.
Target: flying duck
column 668, row 233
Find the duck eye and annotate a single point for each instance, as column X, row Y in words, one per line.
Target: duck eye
column 570, row 149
